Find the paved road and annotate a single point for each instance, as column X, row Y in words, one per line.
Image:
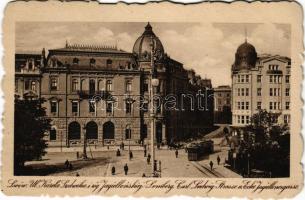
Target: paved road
column 170, row 165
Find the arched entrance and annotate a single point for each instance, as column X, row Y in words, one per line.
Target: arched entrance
column 159, row 132
column 91, row 130
column 108, row 130
column 74, row 131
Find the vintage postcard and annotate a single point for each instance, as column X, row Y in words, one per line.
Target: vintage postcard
column 158, row 99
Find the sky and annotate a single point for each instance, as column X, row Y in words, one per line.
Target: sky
column 209, row 49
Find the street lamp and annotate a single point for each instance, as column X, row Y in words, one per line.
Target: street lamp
column 154, row 85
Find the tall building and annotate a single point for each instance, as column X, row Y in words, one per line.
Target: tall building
column 222, row 105
column 104, row 93
column 260, row 82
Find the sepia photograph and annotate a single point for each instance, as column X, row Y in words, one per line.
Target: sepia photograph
column 150, row 99
column 156, row 99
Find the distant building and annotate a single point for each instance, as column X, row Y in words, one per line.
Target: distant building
column 222, row 105
column 260, row 82
column 104, row 93
column 27, row 74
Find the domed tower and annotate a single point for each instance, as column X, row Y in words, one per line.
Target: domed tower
column 245, row 57
column 142, row 46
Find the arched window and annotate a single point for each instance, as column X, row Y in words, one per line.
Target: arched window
column 53, row 134
column 33, row 85
column 74, row 131
column 91, row 86
column 91, row 130
column 75, row 61
column 128, row 86
column 74, row 85
column 109, row 85
column 109, row 62
column 92, row 62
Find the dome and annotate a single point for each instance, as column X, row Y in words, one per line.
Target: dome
column 142, row 46
column 245, row 56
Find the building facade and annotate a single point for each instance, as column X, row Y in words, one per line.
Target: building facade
column 260, row 82
column 103, row 94
column 222, row 105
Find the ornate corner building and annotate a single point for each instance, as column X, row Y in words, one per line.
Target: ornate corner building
column 104, row 93
column 260, row 82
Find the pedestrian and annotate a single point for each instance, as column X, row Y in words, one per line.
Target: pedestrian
column 118, row 153
column 67, row 164
column 77, row 174
column 176, row 153
column 218, row 160
column 143, row 175
column 148, row 159
column 130, row 155
column 126, row 169
column 122, row 145
column 70, row 166
column 113, row 170
column 77, row 155
column 145, row 152
column 211, row 165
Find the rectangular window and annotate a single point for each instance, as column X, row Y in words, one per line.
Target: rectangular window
column 26, row 84
column 242, row 119
column 287, row 92
column 75, row 106
column 270, row 91
column 92, row 106
column 247, row 78
column 287, row 105
column 242, row 92
column 259, row 78
column 286, row 119
column 259, row 105
column 128, row 107
column 238, row 119
column 74, row 85
column 279, row 105
column 274, row 105
column 53, row 84
column 238, row 80
column 247, row 119
column 259, row 91
column 247, row 91
column 238, row 105
column 242, row 105
column 128, row 86
column 270, row 105
column 274, row 79
column 270, row 78
column 287, row 77
column 274, row 91
column 109, row 107
column 247, row 105
column 238, row 92
column 53, row 134
column 53, row 106
column 242, row 78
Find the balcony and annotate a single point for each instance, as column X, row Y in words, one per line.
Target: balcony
column 87, row 94
column 270, row 71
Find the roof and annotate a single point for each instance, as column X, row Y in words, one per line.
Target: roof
column 90, row 49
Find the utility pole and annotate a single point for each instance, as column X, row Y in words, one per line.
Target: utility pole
column 85, row 144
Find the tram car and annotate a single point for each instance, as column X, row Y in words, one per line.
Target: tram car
column 197, row 150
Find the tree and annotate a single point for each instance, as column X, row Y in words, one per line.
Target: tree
column 30, row 126
column 270, row 149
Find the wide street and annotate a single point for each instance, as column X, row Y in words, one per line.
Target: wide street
column 104, row 160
